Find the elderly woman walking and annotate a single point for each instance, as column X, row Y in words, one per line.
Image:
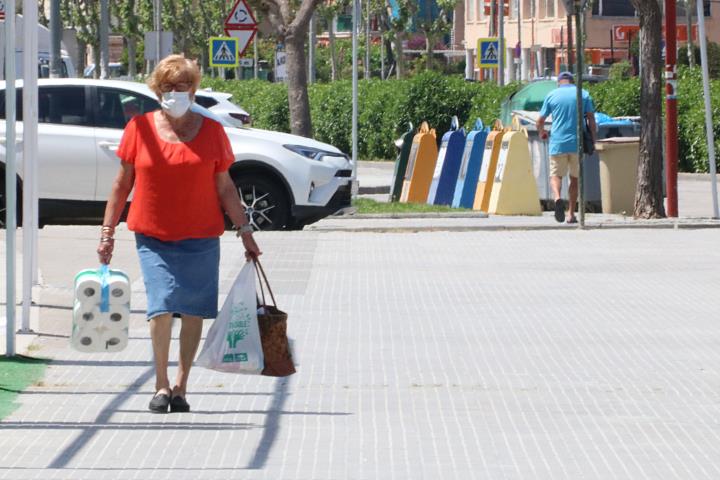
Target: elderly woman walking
column 177, row 162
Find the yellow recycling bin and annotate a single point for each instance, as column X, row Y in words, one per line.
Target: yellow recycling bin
column 421, row 166
column 514, row 190
column 487, row 169
column 618, row 173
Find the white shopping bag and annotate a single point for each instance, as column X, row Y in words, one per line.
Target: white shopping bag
column 233, row 341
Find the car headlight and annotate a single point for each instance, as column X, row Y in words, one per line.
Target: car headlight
column 310, row 152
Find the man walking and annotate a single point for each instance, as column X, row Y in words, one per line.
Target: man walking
column 561, row 103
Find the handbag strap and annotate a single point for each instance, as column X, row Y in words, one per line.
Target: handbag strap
column 262, row 278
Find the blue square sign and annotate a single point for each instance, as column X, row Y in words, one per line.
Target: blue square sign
column 488, row 52
column 223, row 52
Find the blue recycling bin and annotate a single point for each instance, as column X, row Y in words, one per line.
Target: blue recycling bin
column 466, row 185
column 447, row 167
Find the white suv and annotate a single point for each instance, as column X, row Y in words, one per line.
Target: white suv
column 285, row 181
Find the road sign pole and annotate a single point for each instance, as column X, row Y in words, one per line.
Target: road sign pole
column 354, row 89
column 501, row 43
column 255, row 59
column 671, row 134
column 10, row 182
column 579, row 12
column 708, row 109
column 30, row 135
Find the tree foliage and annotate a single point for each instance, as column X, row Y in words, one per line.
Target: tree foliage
column 437, row 27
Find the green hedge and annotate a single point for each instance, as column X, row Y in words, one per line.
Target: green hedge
column 622, row 97
column 386, row 107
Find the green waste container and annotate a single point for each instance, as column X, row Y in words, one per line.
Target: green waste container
column 618, row 173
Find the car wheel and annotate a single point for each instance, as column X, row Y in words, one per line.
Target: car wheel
column 265, row 202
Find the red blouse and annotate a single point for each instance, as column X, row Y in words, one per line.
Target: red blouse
column 175, row 196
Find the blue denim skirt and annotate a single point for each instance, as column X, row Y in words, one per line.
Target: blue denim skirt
column 180, row 277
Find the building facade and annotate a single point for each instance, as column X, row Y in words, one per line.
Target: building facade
column 537, row 45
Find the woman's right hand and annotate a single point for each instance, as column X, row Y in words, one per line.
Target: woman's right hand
column 105, row 250
column 107, row 244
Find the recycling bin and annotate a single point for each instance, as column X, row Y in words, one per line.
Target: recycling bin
column 404, row 145
column 470, row 166
column 618, row 173
column 447, row 166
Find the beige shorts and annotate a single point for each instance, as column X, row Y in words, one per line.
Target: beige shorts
column 561, row 164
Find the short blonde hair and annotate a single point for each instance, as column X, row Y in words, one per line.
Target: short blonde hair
column 172, row 69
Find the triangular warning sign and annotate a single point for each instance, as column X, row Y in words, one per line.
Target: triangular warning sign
column 240, row 16
column 490, row 53
column 224, row 54
column 244, row 37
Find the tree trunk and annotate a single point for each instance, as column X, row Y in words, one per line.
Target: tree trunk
column 390, row 58
column 428, row 51
column 81, row 56
column 399, row 67
column 298, row 100
column 96, row 59
column 333, row 53
column 649, row 194
column 132, row 54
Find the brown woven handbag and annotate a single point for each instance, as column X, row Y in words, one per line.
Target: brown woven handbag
column 273, row 332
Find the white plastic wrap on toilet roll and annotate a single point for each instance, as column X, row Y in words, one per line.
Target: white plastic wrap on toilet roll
column 93, row 329
column 86, row 340
column 119, row 288
column 114, row 339
column 86, row 314
column 118, row 316
column 87, row 287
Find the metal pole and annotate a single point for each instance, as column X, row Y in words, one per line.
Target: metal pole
column 569, row 43
column 671, row 134
column 104, row 42
column 354, row 90
column 489, row 74
column 708, row 110
column 382, row 56
column 255, row 56
column 55, row 39
column 30, row 135
column 10, row 182
column 311, row 50
column 580, row 114
column 367, row 40
column 519, row 52
column 501, row 43
column 158, row 28
column 688, row 20
column 612, row 46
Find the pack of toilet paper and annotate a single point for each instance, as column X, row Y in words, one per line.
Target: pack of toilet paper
column 101, row 312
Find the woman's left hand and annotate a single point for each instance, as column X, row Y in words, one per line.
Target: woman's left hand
column 251, row 248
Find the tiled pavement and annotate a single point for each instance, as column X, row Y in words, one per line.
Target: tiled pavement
column 438, row 355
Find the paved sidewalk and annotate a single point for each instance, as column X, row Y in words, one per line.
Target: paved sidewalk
column 558, row 354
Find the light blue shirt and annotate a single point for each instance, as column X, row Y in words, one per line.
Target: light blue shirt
column 561, row 103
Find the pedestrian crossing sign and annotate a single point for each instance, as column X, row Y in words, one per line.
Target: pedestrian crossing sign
column 488, row 52
column 223, row 52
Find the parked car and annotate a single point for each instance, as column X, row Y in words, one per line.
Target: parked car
column 220, row 104
column 285, row 181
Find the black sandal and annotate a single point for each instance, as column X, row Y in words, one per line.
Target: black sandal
column 179, row 404
column 560, row 210
column 159, row 403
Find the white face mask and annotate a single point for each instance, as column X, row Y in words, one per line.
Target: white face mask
column 176, row 104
